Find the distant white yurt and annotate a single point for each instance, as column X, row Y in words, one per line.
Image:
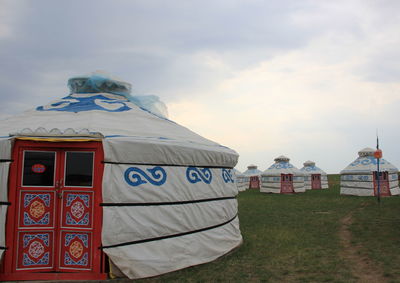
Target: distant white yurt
column 314, row 177
column 100, row 175
column 252, row 177
column 240, row 180
column 360, row 177
column 282, row 178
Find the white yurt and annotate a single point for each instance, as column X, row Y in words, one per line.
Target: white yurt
column 282, row 178
column 240, row 180
column 360, row 177
column 252, row 177
column 101, row 177
column 314, row 177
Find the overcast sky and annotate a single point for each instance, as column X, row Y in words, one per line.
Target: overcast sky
column 312, row 80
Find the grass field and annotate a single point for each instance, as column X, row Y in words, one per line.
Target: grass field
column 295, row 238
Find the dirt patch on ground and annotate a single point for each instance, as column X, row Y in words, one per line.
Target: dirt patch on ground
column 362, row 267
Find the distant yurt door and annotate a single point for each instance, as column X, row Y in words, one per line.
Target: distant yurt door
column 315, row 181
column 54, row 220
column 287, row 184
column 383, row 183
column 254, row 182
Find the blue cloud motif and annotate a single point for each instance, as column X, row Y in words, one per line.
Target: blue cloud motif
column 195, row 175
column 227, row 175
column 367, row 160
column 93, row 102
column 135, row 176
column 281, row 165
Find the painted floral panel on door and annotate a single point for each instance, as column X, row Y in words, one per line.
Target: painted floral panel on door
column 35, row 250
column 76, row 250
column 77, row 209
column 36, row 209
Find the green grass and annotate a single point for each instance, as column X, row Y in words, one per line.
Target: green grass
column 294, row 238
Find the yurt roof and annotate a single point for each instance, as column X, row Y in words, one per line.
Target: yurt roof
column 282, row 166
column 367, row 163
column 237, row 172
column 310, row 168
column 101, row 107
column 252, row 171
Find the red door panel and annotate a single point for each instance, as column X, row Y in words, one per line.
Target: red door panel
column 316, row 181
column 77, row 210
column 76, row 250
column 35, row 250
column 36, row 209
column 384, row 186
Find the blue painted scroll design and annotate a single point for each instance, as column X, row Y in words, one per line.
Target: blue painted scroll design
column 227, row 175
column 281, row 165
column 44, row 197
column 42, row 221
column 367, row 161
column 135, row 176
column 195, row 175
column 69, row 261
column 77, row 103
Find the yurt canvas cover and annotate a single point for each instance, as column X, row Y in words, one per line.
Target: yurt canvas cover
column 271, row 179
column 358, row 177
column 309, row 170
column 168, row 198
column 240, row 180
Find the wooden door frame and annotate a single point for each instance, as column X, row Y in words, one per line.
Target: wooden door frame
column 291, row 183
column 319, row 181
column 8, row 267
column 374, row 176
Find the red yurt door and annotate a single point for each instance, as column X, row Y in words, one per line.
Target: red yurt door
column 315, row 181
column 254, row 182
column 383, row 184
column 54, row 221
column 287, row 184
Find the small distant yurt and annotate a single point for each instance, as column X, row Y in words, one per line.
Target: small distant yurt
column 314, row 177
column 360, row 178
column 98, row 179
column 240, row 180
column 282, row 178
column 252, row 177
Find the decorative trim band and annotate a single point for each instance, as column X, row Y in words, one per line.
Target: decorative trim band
column 169, row 236
column 166, row 203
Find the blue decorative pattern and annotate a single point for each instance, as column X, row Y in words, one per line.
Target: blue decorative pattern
column 42, row 221
column 281, row 165
column 43, row 261
column 70, row 236
column 71, row 221
column 72, row 197
column 194, row 175
column 227, row 175
column 44, row 197
column 79, row 103
column 135, row 176
column 29, row 237
column 367, row 161
column 70, row 262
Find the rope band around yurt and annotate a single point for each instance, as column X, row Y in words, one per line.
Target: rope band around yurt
column 167, row 203
column 166, row 165
column 6, row 160
column 169, row 236
column 5, row 203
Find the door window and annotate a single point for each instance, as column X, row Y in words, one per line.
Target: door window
column 79, row 169
column 38, row 168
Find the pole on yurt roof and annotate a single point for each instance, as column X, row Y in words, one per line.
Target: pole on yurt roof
column 378, row 155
